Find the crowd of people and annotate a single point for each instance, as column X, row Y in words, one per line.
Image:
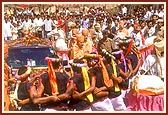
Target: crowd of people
column 103, row 52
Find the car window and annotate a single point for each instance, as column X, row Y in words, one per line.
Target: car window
column 18, row 57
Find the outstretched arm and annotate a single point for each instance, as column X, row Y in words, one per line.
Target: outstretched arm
column 22, row 102
column 83, row 94
column 35, row 97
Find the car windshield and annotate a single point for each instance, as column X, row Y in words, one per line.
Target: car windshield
column 35, row 57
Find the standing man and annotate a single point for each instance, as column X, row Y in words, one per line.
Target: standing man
column 101, row 102
column 84, row 85
column 106, row 43
column 77, row 50
column 122, row 32
column 38, row 23
column 48, row 23
column 7, row 29
column 57, row 88
column 85, row 22
column 138, row 36
column 88, row 41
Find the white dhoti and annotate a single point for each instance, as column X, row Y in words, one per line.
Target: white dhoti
column 104, row 105
column 118, row 103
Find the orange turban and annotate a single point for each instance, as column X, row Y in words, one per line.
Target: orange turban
column 85, row 32
column 80, row 38
column 74, row 31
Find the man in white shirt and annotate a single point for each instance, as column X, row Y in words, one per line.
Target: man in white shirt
column 143, row 25
column 136, row 35
column 38, row 22
column 30, row 11
column 67, row 12
column 85, row 22
column 149, row 13
column 124, row 9
column 150, row 29
column 7, row 29
column 48, row 23
column 19, row 11
column 129, row 27
column 161, row 13
column 26, row 25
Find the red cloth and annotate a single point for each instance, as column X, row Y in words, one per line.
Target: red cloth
column 145, row 52
column 142, row 102
column 59, row 23
column 129, row 47
column 143, row 39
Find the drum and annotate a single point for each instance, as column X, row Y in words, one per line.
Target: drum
column 146, row 94
column 147, row 85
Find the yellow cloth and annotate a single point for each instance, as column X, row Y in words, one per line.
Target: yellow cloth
column 52, row 78
column 116, row 87
column 87, row 83
column 8, row 12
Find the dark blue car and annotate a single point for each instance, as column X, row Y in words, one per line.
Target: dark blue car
column 33, row 56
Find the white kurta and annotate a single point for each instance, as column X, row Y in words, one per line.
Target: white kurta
column 48, row 25
column 137, row 38
column 149, row 61
column 7, row 29
column 38, row 23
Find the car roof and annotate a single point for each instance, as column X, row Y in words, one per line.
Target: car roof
column 22, row 47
